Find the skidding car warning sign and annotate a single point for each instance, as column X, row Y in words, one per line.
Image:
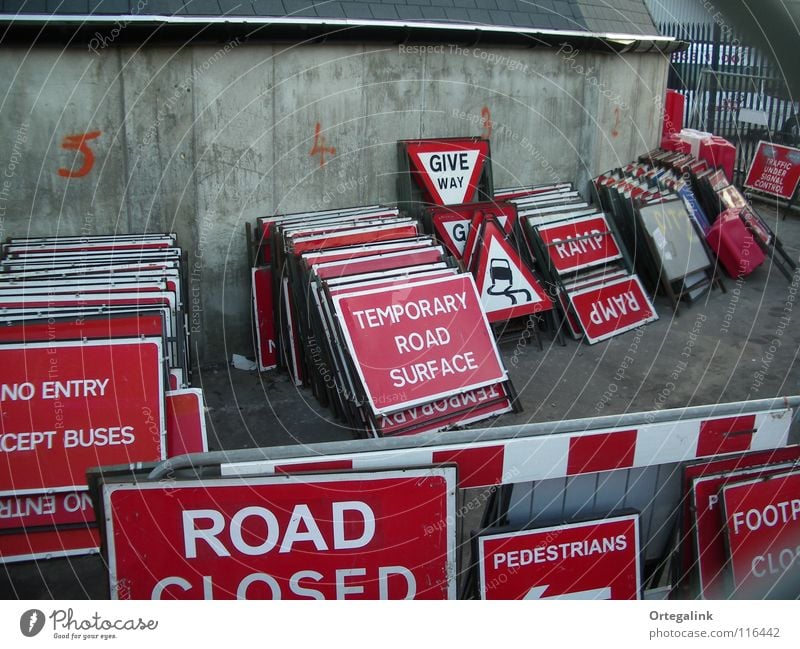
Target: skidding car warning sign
column 380, row 535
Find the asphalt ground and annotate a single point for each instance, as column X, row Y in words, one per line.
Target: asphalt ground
column 728, row 346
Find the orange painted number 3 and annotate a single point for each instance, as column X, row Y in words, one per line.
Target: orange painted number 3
column 319, row 147
column 78, row 143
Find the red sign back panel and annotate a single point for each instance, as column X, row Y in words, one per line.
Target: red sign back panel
column 263, row 308
column 775, row 170
column 384, row 535
column 762, row 519
column 417, row 343
column 186, row 422
column 73, row 405
column 591, row 560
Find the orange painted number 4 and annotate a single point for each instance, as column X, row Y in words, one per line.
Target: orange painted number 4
column 319, row 147
column 79, row 143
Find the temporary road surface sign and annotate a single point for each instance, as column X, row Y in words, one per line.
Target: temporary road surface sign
column 416, row 343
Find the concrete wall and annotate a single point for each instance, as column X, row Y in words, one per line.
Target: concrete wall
column 202, row 139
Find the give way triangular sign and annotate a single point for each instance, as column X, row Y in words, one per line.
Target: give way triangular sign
column 449, row 169
column 507, row 288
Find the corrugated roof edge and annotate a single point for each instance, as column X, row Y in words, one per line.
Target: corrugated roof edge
column 620, row 41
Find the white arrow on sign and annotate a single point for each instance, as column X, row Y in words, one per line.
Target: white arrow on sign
column 597, row 593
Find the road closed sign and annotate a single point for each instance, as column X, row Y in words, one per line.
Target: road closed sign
column 449, row 169
column 380, row 535
column 762, row 521
column 590, row 560
column 416, row 343
column 68, row 406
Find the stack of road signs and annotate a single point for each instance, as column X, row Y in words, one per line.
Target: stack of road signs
column 723, row 542
column 663, row 223
column 95, row 355
column 267, row 283
column 579, row 252
column 482, row 237
column 429, row 369
column 444, row 171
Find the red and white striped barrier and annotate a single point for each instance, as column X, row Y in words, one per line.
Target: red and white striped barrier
column 557, row 455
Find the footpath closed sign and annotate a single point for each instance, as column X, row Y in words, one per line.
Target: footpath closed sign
column 590, row 560
column 380, row 535
column 762, row 519
column 416, row 343
column 68, row 406
column 775, row 170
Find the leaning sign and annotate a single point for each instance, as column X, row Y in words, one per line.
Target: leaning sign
column 775, row 170
column 67, row 406
column 415, row 343
column 379, row 535
column 596, row 559
column 762, row 520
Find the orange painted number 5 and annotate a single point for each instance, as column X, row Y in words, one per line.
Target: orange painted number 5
column 79, row 143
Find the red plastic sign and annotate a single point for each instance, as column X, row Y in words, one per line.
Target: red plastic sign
column 507, row 287
column 592, row 560
column 45, row 510
column 579, row 243
column 612, row 308
column 453, row 223
column 49, row 544
column 762, row 520
column 68, row 406
column 416, row 343
column 449, row 169
column 775, row 170
column 186, row 422
column 710, row 546
column 386, row 535
column 263, row 309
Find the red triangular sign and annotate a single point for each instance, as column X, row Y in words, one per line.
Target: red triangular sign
column 507, row 287
column 449, row 169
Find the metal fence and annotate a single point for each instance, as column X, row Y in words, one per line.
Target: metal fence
column 732, row 90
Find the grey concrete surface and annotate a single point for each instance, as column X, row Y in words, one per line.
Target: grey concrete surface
column 724, row 340
column 202, row 139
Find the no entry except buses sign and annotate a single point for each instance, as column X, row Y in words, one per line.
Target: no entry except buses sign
column 383, row 535
column 591, row 560
column 417, row 343
column 762, row 519
column 775, row 170
column 68, row 406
